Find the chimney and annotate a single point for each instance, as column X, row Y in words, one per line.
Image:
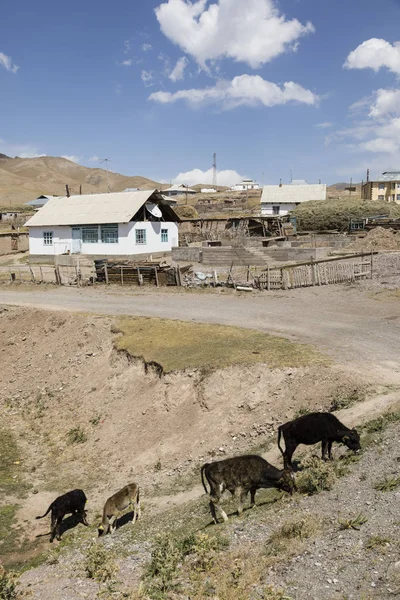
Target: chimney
column 367, row 175
column 280, row 183
column 80, row 190
column 67, row 188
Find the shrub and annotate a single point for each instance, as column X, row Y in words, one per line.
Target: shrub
column 76, row 435
column 272, row 593
column 388, row 484
column 8, row 585
column 165, row 557
column 301, row 412
column 353, row 522
column 376, row 541
column 100, row 563
column 315, row 477
column 297, row 529
column 204, row 547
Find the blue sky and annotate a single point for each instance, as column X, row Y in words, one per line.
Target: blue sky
column 158, row 86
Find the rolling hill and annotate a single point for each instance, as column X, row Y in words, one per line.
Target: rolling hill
column 23, row 179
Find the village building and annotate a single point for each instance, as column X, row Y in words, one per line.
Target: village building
column 39, row 201
column 178, row 190
column 279, row 200
column 113, row 224
column 385, row 188
column 246, row 184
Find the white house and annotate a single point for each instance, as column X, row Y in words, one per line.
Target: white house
column 178, row 190
column 208, row 190
column 246, row 184
column 119, row 224
column 281, row 199
column 39, row 201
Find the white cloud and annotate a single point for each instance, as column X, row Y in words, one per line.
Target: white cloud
column 147, row 78
column 20, row 150
column 387, row 102
column 72, row 157
column 118, row 89
column 244, row 90
column 94, row 159
column 380, row 144
column 375, row 54
column 227, row 177
column 250, row 31
column 127, row 46
column 324, row 125
column 146, row 47
column 178, row 71
column 128, row 62
column 7, row 63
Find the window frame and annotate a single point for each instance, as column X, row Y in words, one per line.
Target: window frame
column 276, row 209
column 164, row 236
column 109, row 233
column 90, row 228
column 141, row 233
column 50, row 235
column 381, row 186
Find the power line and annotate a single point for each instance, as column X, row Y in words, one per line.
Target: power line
column 106, row 160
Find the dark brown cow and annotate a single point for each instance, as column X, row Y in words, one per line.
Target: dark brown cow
column 313, row 428
column 241, row 475
column 72, row 502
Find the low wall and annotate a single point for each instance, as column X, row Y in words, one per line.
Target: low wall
column 14, row 241
column 225, row 255
column 72, row 259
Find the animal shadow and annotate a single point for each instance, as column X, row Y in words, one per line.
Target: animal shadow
column 66, row 524
column 124, row 519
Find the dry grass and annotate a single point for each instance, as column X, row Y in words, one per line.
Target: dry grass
column 178, row 345
column 336, row 214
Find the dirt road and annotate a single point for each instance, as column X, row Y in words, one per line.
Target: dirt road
column 346, row 323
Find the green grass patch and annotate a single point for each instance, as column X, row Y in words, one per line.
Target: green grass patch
column 388, row 484
column 177, row 345
column 11, row 478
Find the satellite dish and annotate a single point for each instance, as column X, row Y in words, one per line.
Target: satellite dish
column 153, row 209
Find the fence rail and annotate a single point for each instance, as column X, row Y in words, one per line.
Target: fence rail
column 60, row 275
column 317, row 272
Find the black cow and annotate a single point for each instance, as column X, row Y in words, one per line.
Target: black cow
column 241, row 475
column 313, row 428
column 70, row 503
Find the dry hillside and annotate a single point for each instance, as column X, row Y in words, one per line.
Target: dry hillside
column 23, row 179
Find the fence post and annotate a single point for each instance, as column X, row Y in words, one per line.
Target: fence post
column 268, row 279
column 156, row 276
column 106, row 273
column 122, row 275
column 372, row 261
column 312, row 271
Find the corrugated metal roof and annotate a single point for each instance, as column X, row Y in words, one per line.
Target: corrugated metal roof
column 180, row 188
column 91, row 209
column 293, row 193
column 389, row 176
column 40, row 201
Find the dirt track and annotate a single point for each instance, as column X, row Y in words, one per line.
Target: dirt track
column 347, row 323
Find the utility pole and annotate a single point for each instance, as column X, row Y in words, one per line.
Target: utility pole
column 106, row 160
column 214, row 169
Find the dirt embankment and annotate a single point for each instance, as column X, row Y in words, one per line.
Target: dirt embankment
column 85, row 415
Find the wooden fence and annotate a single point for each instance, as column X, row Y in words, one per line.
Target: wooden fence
column 318, row 272
column 60, row 275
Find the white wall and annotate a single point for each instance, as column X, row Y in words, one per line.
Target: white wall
column 62, row 240
column 284, row 208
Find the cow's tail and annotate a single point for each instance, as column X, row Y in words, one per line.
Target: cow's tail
column 279, row 439
column 202, row 477
column 46, row 513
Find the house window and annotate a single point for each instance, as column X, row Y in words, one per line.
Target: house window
column 90, row 234
column 164, row 235
column 276, row 210
column 398, row 197
column 140, row 236
column 48, row 238
column 109, row 234
column 380, row 197
column 393, row 186
column 381, row 186
column 393, row 197
column 398, row 186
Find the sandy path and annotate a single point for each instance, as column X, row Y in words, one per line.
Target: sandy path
column 343, row 322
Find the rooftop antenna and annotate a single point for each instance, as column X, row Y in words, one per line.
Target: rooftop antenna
column 214, row 169
column 291, row 176
column 106, row 160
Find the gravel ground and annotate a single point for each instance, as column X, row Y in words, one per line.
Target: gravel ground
column 334, row 565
